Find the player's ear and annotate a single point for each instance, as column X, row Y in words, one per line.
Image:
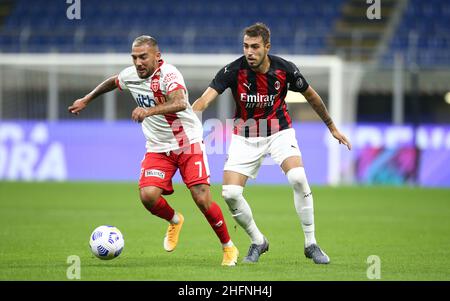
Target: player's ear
column 267, row 46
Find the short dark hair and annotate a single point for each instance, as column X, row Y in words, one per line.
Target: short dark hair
column 258, row 30
column 141, row 40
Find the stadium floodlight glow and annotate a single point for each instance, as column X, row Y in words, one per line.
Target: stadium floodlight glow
column 447, row 97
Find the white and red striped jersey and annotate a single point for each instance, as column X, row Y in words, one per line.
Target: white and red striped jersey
column 163, row 132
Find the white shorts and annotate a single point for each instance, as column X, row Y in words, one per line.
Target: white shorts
column 245, row 155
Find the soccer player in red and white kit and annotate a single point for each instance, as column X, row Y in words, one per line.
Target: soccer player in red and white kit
column 259, row 83
column 174, row 140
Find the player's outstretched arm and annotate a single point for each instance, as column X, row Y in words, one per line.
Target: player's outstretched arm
column 317, row 104
column 175, row 101
column 205, row 100
column 106, row 86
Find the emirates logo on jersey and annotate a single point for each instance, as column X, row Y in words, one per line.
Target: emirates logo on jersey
column 258, row 100
column 155, row 85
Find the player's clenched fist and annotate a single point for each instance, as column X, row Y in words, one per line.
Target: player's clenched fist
column 139, row 114
column 77, row 106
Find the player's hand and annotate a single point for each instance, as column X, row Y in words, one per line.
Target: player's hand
column 341, row 138
column 77, row 106
column 139, row 114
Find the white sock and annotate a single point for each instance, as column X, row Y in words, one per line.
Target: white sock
column 241, row 212
column 228, row 244
column 175, row 219
column 303, row 202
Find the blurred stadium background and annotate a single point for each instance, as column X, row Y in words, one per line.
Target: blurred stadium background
column 390, row 91
column 386, row 82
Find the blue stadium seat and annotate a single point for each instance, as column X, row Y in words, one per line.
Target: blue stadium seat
column 430, row 21
column 217, row 25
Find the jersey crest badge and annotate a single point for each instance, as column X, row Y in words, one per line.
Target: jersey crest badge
column 155, row 85
column 277, row 85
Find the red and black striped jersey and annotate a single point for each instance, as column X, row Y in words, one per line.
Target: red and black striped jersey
column 261, row 109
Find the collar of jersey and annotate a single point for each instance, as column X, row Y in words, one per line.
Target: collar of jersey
column 161, row 62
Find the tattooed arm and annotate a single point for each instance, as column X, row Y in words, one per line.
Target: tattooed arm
column 317, row 104
column 81, row 103
column 175, row 101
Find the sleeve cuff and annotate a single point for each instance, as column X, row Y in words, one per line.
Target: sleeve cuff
column 118, row 84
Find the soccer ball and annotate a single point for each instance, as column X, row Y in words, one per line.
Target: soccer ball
column 106, row 242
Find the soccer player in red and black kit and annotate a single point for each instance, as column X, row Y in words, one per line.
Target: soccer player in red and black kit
column 259, row 83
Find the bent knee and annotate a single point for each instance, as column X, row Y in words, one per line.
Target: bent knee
column 202, row 196
column 232, row 192
column 297, row 178
column 203, row 201
column 149, row 195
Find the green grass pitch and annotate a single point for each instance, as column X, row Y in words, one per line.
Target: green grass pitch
column 41, row 224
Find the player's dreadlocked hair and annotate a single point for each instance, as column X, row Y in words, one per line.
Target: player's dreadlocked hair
column 258, row 30
column 141, row 40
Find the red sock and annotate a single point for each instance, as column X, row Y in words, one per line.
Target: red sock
column 162, row 209
column 215, row 218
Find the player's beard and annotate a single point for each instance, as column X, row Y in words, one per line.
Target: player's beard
column 148, row 71
column 144, row 75
column 255, row 67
